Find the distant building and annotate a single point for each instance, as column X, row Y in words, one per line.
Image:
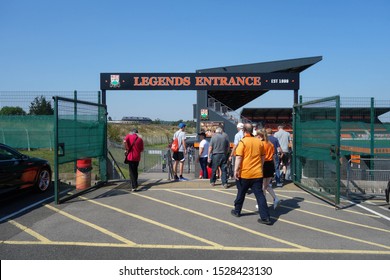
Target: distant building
column 136, row 120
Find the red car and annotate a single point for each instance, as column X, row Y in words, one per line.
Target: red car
column 19, row 171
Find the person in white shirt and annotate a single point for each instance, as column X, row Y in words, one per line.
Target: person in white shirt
column 203, row 152
column 179, row 156
column 239, row 135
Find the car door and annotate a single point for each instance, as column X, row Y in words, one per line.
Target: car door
column 11, row 170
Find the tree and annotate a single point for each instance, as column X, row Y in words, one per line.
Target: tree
column 6, row 110
column 41, row 107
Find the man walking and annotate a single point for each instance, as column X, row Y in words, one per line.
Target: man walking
column 248, row 172
column 239, row 135
column 284, row 141
column 217, row 155
column 134, row 146
column 179, row 156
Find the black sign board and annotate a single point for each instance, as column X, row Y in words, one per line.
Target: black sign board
column 199, row 81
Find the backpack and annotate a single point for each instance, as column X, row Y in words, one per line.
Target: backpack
column 175, row 145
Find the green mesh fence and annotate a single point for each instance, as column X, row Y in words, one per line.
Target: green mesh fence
column 340, row 144
column 27, row 117
column 27, row 132
column 316, row 142
column 81, row 129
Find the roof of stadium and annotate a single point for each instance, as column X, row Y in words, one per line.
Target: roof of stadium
column 237, row 99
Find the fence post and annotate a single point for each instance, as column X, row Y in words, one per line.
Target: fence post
column 56, row 162
column 372, row 133
column 28, row 139
column 338, row 143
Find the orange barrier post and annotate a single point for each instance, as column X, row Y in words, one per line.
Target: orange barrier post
column 83, row 174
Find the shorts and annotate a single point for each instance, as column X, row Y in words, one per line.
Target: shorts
column 268, row 169
column 178, row 156
column 285, row 160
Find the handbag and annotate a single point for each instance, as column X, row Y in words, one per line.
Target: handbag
column 126, row 161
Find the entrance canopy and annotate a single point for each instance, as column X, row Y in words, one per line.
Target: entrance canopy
column 235, row 99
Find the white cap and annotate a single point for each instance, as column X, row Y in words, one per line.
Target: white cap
column 240, row 125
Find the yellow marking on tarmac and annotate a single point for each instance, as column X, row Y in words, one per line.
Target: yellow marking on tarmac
column 308, row 201
column 94, row 226
column 329, row 206
column 203, row 240
column 211, row 248
column 29, row 231
column 225, row 222
column 323, row 216
column 293, row 223
column 337, row 220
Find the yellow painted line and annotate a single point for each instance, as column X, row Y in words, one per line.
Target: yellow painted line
column 225, row 222
column 189, row 235
column 29, row 231
column 293, row 223
column 211, row 248
column 329, row 206
column 94, row 226
column 323, row 216
column 337, row 220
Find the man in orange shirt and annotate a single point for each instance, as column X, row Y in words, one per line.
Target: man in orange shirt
column 248, row 172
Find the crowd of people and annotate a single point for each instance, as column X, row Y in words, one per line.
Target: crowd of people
column 256, row 161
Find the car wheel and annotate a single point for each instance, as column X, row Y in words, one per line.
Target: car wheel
column 43, row 180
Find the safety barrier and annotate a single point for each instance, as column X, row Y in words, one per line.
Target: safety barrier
column 368, row 176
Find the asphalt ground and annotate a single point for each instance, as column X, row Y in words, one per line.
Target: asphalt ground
column 189, row 220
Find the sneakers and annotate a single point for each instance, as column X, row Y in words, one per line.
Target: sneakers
column 235, row 214
column 279, row 185
column 265, row 222
column 212, row 184
column 276, row 203
column 225, row 186
column 176, row 178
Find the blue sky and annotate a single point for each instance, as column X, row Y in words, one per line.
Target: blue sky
column 65, row 45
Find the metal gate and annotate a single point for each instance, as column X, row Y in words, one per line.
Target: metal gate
column 316, row 150
column 80, row 134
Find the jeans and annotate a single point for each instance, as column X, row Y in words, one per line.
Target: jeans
column 203, row 167
column 219, row 160
column 133, row 171
column 257, row 188
column 277, row 171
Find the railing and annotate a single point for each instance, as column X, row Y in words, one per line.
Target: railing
column 368, row 176
column 226, row 111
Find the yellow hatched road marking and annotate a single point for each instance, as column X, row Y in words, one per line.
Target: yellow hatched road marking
column 322, row 216
column 329, row 206
column 203, row 240
column 29, row 231
column 225, row 222
column 278, row 192
column 94, row 226
column 290, row 222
